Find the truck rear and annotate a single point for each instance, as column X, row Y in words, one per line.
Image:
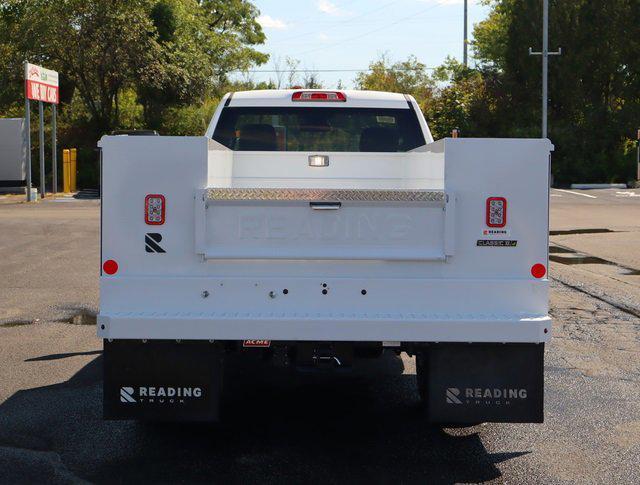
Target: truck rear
column 314, row 228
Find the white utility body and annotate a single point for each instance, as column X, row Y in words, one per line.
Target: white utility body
column 276, row 231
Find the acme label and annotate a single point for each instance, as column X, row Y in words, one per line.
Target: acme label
column 256, row 343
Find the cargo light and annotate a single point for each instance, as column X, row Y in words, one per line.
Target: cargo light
column 110, row 267
column 330, row 96
column 154, row 209
column 496, row 212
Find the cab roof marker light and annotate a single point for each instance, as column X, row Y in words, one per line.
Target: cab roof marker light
column 321, row 96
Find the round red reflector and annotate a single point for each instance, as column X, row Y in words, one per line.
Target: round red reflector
column 538, row 270
column 110, row 266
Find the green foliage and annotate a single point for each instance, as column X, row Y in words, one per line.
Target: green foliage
column 127, row 63
column 201, row 41
column 452, row 97
column 594, row 105
column 188, row 120
column 408, row 77
column 459, row 101
column 594, row 87
column 163, row 64
column 98, row 47
column 163, row 16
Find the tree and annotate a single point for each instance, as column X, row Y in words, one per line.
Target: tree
column 201, row 42
column 460, row 101
column 277, row 67
column 126, row 63
column 594, row 87
column 97, row 46
column 171, row 52
column 292, row 67
column 453, row 96
column 407, row 77
column 310, row 80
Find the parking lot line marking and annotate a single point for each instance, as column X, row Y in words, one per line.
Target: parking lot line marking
column 576, row 193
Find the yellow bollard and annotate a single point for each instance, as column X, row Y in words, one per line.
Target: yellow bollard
column 74, row 170
column 69, row 170
column 66, row 171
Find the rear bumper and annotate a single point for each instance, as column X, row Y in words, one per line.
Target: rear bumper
column 357, row 328
column 324, row 309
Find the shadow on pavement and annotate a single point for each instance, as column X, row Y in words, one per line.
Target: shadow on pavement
column 62, row 356
column 280, row 426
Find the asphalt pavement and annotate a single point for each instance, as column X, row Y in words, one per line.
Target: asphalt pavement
column 364, row 426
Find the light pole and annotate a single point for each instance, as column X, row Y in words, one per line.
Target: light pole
column 638, row 158
column 545, row 63
column 466, row 40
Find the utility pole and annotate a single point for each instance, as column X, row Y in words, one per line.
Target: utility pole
column 466, row 40
column 638, row 158
column 545, row 63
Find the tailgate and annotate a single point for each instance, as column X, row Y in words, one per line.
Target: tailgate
column 336, row 224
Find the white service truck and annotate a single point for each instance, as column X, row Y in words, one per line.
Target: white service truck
column 317, row 227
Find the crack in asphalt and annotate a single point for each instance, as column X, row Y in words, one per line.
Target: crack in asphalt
column 629, row 310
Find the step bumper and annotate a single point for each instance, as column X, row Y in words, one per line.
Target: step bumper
column 326, row 327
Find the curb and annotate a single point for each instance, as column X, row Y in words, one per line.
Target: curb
column 598, row 186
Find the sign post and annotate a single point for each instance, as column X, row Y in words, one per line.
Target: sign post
column 27, row 129
column 54, row 149
column 41, row 85
column 41, row 147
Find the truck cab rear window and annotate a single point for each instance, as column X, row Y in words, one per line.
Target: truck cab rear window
column 299, row 129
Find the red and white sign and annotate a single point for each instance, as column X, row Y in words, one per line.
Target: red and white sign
column 41, row 84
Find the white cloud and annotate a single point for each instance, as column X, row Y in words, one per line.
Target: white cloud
column 323, row 37
column 325, row 6
column 268, row 22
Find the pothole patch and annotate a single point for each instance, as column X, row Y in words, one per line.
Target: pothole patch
column 19, row 323
column 82, row 318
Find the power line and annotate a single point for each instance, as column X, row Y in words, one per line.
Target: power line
column 342, row 42
column 274, row 71
column 338, row 23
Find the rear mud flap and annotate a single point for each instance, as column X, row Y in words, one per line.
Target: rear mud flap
column 162, row 380
column 474, row 383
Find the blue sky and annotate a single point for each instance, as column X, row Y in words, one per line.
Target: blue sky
column 348, row 34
